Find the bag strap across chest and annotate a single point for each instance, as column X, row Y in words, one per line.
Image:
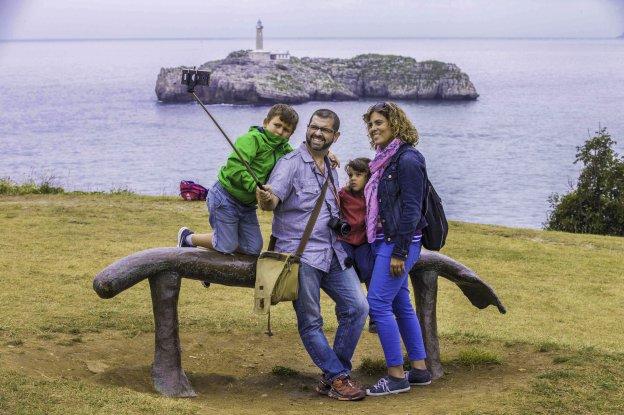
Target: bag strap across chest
column 312, row 220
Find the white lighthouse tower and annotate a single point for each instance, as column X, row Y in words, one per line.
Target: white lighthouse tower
column 260, row 54
column 259, row 27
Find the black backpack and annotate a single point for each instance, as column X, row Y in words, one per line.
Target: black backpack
column 434, row 234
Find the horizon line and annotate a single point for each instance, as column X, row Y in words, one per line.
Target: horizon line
column 112, row 39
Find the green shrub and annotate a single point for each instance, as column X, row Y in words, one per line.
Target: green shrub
column 45, row 186
column 596, row 204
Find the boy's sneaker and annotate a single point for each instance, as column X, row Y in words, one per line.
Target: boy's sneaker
column 323, row 386
column 182, row 234
column 344, row 389
column 418, row 377
column 387, row 386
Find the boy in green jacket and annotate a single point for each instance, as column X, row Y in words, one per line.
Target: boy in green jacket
column 232, row 200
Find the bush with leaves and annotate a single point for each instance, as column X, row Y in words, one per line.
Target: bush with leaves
column 45, row 186
column 596, row 204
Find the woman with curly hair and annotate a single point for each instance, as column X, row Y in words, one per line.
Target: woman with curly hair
column 394, row 220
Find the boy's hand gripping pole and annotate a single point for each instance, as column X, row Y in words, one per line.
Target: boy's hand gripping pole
column 193, row 77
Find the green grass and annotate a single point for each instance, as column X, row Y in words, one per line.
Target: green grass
column 283, row 371
column 474, row 357
column 372, row 366
column 563, row 293
column 558, row 375
column 23, row 395
column 548, row 346
column 590, row 383
column 555, row 285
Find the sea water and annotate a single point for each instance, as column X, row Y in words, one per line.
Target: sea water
column 85, row 113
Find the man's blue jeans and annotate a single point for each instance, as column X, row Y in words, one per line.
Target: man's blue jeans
column 343, row 287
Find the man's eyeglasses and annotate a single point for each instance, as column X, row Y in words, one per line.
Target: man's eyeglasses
column 326, row 131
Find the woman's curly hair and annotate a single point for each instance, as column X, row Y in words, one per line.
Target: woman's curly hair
column 401, row 126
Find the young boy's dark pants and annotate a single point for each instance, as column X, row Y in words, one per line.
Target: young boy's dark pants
column 363, row 260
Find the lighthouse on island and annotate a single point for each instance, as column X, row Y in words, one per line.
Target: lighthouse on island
column 263, row 55
column 259, row 28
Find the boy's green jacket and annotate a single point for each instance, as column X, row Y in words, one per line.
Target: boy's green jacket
column 261, row 149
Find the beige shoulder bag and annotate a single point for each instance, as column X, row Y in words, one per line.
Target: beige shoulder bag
column 277, row 274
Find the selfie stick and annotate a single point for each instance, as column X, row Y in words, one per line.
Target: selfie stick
column 193, row 77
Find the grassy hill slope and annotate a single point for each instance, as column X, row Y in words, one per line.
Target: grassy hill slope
column 63, row 350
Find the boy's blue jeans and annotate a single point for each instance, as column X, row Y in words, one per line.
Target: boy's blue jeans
column 391, row 308
column 351, row 310
column 235, row 225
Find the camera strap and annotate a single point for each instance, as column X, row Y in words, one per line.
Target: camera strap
column 334, row 188
column 312, row 220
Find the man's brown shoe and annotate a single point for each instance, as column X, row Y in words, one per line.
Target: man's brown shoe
column 323, row 386
column 344, row 389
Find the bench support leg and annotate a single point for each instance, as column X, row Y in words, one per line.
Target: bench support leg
column 167, row 374
column 425, row 284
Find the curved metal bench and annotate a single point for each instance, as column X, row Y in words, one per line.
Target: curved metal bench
column 165, row 267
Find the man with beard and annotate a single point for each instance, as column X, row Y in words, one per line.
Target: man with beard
column 292, row 191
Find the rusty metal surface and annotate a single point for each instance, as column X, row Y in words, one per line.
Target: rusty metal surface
column 478, row 292
column 167, row 374
column 239, row 270
column 195, row 263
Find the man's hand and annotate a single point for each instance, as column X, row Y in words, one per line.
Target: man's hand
column 266, row 199
column 397, row 266
column 264, row 195
column 333, row 160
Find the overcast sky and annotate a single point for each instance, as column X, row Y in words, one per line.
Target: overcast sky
column 28, row 19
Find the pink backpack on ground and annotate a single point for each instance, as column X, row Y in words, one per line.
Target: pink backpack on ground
column 192, row 191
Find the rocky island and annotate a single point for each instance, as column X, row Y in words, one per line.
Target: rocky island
column 245, row 77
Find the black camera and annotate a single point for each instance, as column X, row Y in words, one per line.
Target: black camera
column 195, row 77
column 341, row 227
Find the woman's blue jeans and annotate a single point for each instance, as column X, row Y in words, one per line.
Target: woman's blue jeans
column 391, row 308
column 344, row 288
